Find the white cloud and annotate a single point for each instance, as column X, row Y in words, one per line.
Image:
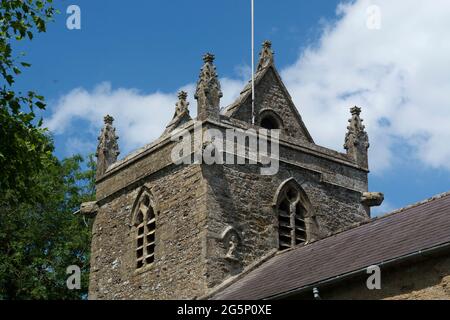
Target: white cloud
column 140, row 118
column 399, row 74
column 74, row 145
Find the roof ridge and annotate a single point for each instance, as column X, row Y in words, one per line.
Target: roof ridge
column 350, row 255
column 388, row 215
column 232, row 280
column 416, row 204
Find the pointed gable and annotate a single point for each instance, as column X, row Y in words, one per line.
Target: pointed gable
column 273, row 104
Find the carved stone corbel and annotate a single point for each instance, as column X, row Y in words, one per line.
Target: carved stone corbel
column 372, row 199
column 89, row 208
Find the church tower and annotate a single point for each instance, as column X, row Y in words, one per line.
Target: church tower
column 168, row 229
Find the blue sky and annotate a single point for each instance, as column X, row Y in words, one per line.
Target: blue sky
column 157, row 45
column 130, row 58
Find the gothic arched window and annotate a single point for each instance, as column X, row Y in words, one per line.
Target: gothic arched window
column 292, row 212
column 145, row 227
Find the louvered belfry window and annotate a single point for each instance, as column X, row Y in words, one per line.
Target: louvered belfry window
column 291, row 218
column 145, row 227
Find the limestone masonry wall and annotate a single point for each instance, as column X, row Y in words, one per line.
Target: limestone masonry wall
column 423, row 280
column 178, row 271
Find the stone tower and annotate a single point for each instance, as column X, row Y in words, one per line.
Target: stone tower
column 166, row 229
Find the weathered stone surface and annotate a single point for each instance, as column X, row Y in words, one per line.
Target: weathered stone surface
column 89, row 208
column 372, row 199
column 179, row 268
column 181, row 115
column 208, row 92
column 357, row 140
column 266, row 56
column 422, row 280
column 272, row 99
column 270, row 95
column 108, row 149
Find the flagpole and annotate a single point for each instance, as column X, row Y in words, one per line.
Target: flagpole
column 253, row 61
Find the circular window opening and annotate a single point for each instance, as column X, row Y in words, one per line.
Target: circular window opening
column 269, row 122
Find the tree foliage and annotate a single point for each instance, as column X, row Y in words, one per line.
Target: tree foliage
column 39, row 234
column 23, row 142
column 39, row 241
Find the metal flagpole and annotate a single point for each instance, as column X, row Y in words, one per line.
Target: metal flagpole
column 253, row 62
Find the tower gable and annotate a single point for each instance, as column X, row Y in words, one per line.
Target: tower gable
column 274, row 108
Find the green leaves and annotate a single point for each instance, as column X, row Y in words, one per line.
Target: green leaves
column 39, row 241
column 10, row 79
column 39, row 235
column 40, row 104
column 22, row 140
column 19, row 20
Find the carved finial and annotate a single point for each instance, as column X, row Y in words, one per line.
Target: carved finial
column 181, row 112
column 266, row 55
column 181, row 115
column 208, row 91
column 356, row 111
column 108, row 119
column 108, row 148
column 208, row 58
column 182, row 95
column 267, row 44
column 182, row 104
column 356, row 139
